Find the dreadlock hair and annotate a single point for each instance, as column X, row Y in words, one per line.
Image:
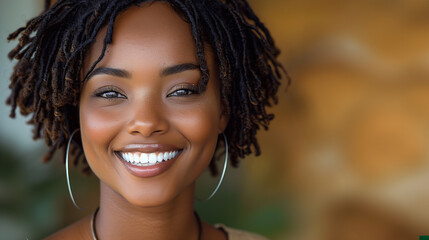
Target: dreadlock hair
column 46, row 81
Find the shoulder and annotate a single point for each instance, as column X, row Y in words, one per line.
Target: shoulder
column 235, row 234
column 78, row 230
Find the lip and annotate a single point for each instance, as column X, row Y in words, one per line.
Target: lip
column 148, row 148
column 148, row 171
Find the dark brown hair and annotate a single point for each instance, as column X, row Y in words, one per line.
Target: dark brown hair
column 46, row 80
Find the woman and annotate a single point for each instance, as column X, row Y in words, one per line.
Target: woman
column 147, row 89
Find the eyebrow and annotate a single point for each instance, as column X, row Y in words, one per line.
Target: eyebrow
column 178, row 68
column 125, row 74
column 110, row 71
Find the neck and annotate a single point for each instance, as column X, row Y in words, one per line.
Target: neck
column 119, row 219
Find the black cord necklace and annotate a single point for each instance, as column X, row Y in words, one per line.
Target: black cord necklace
column 94, row 235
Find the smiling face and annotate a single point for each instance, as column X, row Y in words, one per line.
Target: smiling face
column 146, row 131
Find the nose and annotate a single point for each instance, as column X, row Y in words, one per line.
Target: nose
column 147, row 119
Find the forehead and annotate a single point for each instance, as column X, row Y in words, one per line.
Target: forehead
column 149, row 31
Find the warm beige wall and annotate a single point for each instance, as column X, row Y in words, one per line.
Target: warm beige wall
column 350, row 140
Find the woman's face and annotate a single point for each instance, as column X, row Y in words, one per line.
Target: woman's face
column 141, row 106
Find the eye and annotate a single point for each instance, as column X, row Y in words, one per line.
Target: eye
column 184, row 91
column 109, row 93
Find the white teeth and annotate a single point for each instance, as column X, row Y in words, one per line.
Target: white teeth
column 159, row 157
column 147, row 159
column 144, row 158
column 152, row 158
column 136, row 158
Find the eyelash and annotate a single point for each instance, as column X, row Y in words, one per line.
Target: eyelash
column 111, row 93
column 185, row 90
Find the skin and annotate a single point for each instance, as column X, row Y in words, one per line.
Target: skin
column 147, row 105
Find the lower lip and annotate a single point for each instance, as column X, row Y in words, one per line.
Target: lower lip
column 148, row 171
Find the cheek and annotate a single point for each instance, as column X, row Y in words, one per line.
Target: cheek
column 200, row 121
column 98, row 127
column 199, row 126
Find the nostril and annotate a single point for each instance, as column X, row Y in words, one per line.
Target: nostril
column 147, row 128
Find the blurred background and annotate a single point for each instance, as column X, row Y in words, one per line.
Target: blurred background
column 347, row 156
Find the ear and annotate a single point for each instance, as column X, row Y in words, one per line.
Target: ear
column 223, row 121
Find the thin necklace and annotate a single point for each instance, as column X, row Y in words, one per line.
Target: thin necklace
column 94, row 235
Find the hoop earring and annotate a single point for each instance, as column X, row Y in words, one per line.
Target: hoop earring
column 223, row 171
column 67, row 169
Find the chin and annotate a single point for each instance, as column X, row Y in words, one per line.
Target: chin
column 147, row 200
column 150, row 196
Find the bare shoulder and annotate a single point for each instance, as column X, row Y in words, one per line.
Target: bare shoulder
column 78, row 230
column 236, row 234
column 212, row 233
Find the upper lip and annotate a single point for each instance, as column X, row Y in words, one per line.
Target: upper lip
column 148, row 148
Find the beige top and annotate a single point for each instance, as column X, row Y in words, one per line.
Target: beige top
column 235, row 234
